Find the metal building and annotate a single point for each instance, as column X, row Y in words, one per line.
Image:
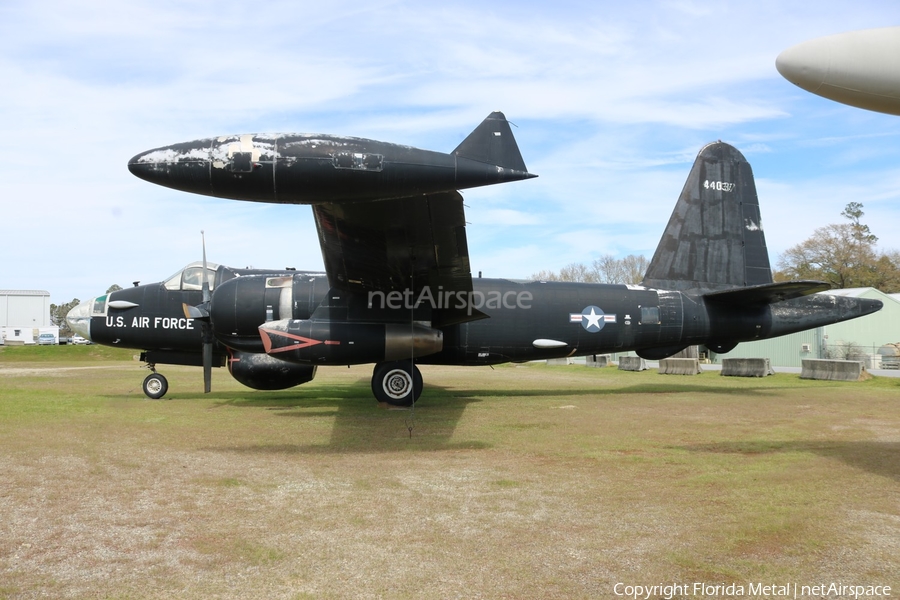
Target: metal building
column 22, row 313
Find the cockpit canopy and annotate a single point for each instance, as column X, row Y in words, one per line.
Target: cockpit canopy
column 191, row 277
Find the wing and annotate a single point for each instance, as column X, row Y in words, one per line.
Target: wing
column 401, row 245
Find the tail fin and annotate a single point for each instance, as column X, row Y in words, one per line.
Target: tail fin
column 493, row 143
column 714, row 239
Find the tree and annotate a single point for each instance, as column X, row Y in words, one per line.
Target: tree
column 631, row 270
column 609, row 269
column 853, row 212
column 58, row 314
column 606, row 269
column 843, row 255
column 578, row 272
column 847, row 351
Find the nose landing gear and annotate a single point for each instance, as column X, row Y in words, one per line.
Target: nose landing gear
column 155, row 385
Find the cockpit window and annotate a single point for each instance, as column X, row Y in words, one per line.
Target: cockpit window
column 191, row 277
column 174, row 282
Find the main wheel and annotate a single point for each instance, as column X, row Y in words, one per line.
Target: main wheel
column 397, row 383
column 155, row 386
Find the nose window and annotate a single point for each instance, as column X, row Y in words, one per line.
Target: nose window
column 98, row 306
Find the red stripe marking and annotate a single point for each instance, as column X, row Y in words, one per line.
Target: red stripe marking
column 267, row 334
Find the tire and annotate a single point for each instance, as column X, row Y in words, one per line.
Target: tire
column 397, row 383
column 155, row 386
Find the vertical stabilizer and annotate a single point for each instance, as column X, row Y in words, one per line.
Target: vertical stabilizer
column 492, row 143
column 714, row 239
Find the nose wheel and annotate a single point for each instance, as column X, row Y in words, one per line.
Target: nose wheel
column 397, row 383
column 155, row 386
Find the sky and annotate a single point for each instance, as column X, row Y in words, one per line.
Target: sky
column 610, row 101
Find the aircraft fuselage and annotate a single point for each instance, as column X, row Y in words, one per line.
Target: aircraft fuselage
column 526, row 320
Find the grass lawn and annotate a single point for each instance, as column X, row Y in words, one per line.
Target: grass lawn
column 523, row 481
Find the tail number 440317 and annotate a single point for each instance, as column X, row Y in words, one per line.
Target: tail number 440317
column 718, row 186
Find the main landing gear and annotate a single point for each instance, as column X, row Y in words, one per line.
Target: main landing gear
column 398, row 383
column 155, row 385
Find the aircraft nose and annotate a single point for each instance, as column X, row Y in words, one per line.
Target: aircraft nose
column 79, row 319
column 180, row 166
column 805, row 65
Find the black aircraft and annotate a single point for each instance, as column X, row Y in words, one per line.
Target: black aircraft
column 397, row 288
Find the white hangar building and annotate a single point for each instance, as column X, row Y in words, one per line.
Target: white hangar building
column 22, row 313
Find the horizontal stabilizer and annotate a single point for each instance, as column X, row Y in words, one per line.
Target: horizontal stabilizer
column 768, row 293
column 493, row 143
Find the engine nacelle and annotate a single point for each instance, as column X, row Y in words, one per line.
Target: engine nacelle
column 348, row 343
column 238, row 306
column 264, row 372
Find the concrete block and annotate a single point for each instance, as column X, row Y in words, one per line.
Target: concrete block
column 560, row 361
column 833, row 370
column 632, row 363
column 597, row 360
column 689, row 352
column 679, row 366
column 746, row 367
